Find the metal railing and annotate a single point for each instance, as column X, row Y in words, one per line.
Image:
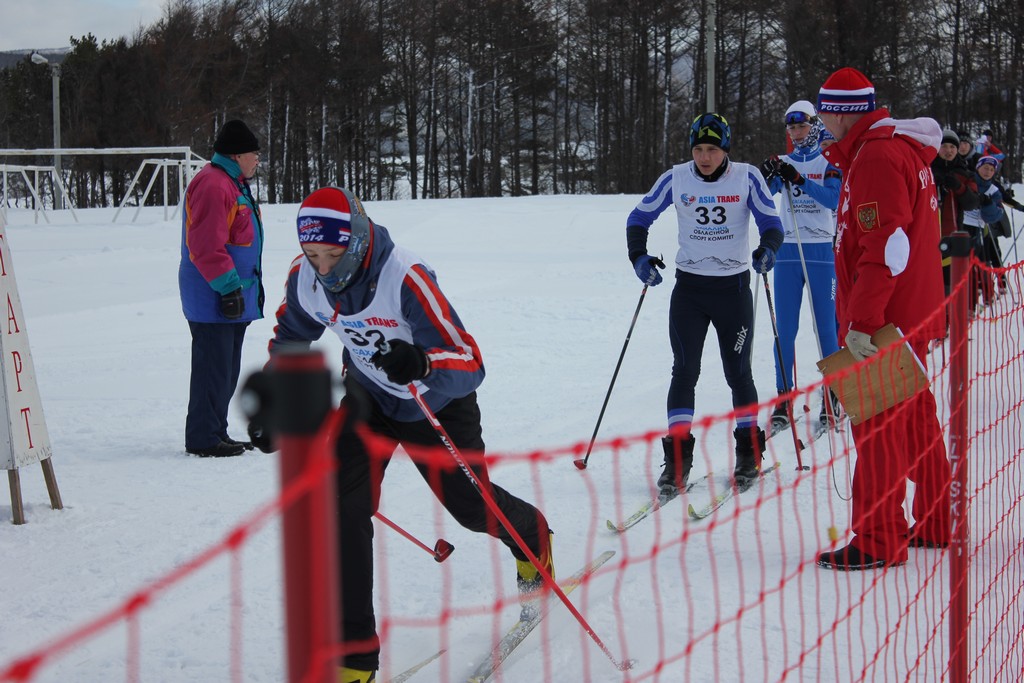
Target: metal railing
column 181, row 160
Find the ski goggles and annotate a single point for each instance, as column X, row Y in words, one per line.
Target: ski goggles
column 797, row 117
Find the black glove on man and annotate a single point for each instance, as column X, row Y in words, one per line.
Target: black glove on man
column 259, row 437
column 770, row 167
column 790, row 174
column 232, row 304
column 985, row 199
column 403, row 363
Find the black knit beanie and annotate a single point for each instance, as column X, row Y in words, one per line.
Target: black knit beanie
column 235, row 138
column 950, row 136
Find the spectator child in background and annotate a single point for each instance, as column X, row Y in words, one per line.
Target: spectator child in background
column 966, row 149
column 977, row 222
column 983, row 146
column 957, row 191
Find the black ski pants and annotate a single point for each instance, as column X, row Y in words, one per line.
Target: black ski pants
column 699, row 301
column 359, row 478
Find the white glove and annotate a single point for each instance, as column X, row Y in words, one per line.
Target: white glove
column 860, row 344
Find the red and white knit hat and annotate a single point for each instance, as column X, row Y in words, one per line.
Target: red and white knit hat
column 335, row 216
column 327, row 217
column 846, row 91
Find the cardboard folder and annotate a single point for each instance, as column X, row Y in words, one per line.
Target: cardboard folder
column 890, row 376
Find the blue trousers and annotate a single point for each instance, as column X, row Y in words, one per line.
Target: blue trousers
column 216, row 362
column 789, row 295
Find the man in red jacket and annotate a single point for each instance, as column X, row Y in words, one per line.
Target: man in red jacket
column 888, row 270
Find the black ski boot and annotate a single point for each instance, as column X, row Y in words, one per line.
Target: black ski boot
column 780, row 417
column 835, row 407
column 748, row 455
column 678, row 463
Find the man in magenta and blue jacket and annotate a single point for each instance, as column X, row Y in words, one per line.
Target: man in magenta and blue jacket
column 220, row 283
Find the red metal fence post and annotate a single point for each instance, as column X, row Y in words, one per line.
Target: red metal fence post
column 959, row 247
column 302, row 399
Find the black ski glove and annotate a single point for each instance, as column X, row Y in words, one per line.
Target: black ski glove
column 951, row 182
column 985, row 199
column 403, row 362
column 790, row 174
column 770, row 167
column 232, row 304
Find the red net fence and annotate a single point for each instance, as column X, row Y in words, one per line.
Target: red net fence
column 689, row 593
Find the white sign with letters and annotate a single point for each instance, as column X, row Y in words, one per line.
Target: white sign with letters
column 23, row 436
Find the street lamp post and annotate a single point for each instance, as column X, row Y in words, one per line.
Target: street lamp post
column 58, row 195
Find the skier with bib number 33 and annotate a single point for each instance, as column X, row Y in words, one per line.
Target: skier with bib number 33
column 398, row 329
column 714, row 198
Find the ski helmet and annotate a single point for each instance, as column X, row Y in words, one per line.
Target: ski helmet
column 334, row 215
column 711, row 128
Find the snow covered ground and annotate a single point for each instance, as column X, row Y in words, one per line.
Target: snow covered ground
column 544, row 286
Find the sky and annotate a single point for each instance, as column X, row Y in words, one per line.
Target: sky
column 544, row 286
column 45, row 24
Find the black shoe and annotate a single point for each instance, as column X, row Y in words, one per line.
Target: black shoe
column 780, row 417
column 915, row 541
column 748, row 455
column 247, row 445
column 836, row 408
column 678, row 463
column 221, row 450
column 851, row 558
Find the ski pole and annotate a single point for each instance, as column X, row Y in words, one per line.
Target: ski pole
column 826, row 391
column 549, row 581
column 797, row 443
column 807, row 281
column 810, row 298
column 581, row 463
column 442, row 549
column 1016, row 236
